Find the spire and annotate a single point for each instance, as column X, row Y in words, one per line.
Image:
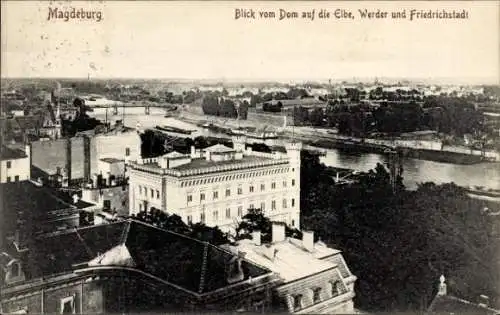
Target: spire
column 442, row 286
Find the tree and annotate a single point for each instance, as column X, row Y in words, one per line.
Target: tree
column 255, row 220
column 174, row 223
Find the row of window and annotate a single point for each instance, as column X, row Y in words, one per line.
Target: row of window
column 235, row 177
column 152, row 192
column 251, row 189
column 9, row 179
column 336, row 288
column 229, row 214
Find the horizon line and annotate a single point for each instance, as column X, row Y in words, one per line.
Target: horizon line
column 355, row 79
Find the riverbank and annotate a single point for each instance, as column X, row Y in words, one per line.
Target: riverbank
column 423, row 150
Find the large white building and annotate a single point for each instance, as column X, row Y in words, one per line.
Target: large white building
column 217, row 185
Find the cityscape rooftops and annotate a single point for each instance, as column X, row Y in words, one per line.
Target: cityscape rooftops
column 288, row 258
column 195, row 266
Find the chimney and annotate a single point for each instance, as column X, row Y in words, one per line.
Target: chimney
column 256, row 238
column 442, row 286
column 193, row 152
column 484, row 301
column 75, row 198
column 208, row 155
column 278, row 232
column 308, row 240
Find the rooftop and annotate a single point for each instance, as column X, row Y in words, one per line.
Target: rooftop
column 191, row 264
column 111, row 160
column 7, row 153
column 290, row 258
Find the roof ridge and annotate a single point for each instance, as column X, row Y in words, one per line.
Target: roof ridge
column 165, row 230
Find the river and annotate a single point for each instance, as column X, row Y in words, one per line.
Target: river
column 414, row 171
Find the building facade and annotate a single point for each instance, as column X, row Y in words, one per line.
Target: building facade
column 217, row 185
column 314, row 279
column 129, row 267
column 15, row 165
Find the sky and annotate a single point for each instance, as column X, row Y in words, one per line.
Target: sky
column 195, row 40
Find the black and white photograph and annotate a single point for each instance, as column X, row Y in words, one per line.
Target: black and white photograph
column 292, row 157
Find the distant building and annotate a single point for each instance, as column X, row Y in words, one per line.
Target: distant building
column 15, row 164
column 129, row 267
column 314, row 279
column 217, row 185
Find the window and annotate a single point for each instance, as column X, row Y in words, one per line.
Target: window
column 240, row 190
column 68, row 305
column 273, row 205
column 293, row 222
column 16, row 270
column 157, row 194
column 228, row 192
column 251, row 206
column 293, row 202
column 251, row 189
column 107, row 204
column 8, row 179
column 216, row 194
column 316, row 295
column 140, row 207
column 228, row 213
column 9, row 164
column 152, row 193
column 297, row 302
column 293, row 182
column 336, row 288
column 127, row 151
column 262, row 187
column 189, row 198
column 240, row 211
column 202, row 196
column 263, row 206
column 216, row 215
column 273, row 185
column 202, row 218
column 284, row 183
column 284, row 204
column 140, row 190
column 16, row 178
column 190, row 219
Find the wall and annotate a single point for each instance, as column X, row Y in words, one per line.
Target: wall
column 20, row 167
column 114, row 146
column 51, row 154
column 47, row 299
column 237, row 179
column 118, row 196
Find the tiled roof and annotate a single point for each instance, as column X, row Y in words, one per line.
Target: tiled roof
column 191, row 264
column 7, row 153
column 446, row 304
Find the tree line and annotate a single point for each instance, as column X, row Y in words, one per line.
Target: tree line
column 224, row 107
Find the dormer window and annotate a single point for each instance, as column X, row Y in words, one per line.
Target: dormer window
column 297, row 302
column 316, row 295
column 337, row 288
column 68, row 305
